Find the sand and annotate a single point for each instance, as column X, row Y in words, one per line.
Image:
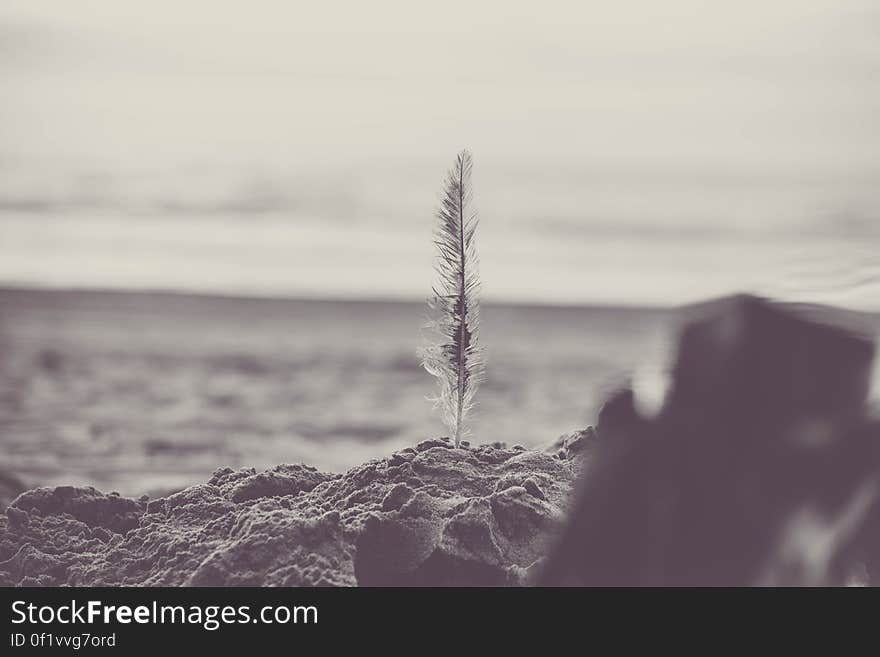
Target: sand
column 429, row 514
column 149, row 393
column 752, row 472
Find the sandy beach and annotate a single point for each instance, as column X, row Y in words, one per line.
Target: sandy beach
column 150, row 392
column 426, row 515
column 600, row 505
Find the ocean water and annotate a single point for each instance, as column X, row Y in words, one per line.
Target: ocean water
column 577, row 240
column 151, row 392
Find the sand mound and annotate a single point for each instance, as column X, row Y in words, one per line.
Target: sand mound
column 429, row 515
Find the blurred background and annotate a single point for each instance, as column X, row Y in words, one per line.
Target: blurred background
column 215, row 217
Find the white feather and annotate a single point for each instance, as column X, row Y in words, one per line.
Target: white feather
column 456, row 359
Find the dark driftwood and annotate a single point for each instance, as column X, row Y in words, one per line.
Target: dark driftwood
column 761, row 454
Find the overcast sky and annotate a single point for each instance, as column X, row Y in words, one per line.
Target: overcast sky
column 780, row 83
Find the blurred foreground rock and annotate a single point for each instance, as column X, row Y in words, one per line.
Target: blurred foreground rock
column 428, row 515
column 761, row 468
